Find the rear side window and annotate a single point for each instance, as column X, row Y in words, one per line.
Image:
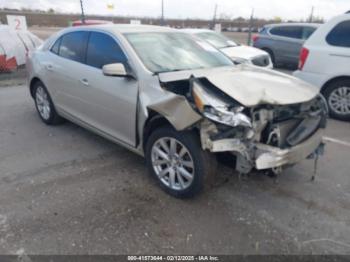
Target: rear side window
column 340, row 35
column 287, row 31
column 56, row 47
column 263, row 31
column 307, row 32
column 73, row 46
column 103, row 50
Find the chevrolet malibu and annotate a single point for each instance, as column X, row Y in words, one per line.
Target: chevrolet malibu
column 175, row 100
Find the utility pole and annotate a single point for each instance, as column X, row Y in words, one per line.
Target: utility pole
column 312, row 14
column 250, row 27
column 82, row 12
column 162, row 21
column 214, row 17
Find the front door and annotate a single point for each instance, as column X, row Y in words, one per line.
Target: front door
column 108, row 103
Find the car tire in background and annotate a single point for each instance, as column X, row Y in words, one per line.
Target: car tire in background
column 176, row 160
column 44, row 105
column 337, row 94
column 272, row 56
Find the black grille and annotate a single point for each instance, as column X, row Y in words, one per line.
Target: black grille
column 263, row 60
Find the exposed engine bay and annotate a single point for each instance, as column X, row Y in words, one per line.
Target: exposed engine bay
column 264, row 136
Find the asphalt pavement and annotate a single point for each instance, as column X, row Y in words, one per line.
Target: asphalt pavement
column 64, row 190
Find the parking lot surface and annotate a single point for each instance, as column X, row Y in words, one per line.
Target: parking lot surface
column 64, row 190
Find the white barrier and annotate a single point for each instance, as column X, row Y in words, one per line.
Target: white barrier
column 14, row 46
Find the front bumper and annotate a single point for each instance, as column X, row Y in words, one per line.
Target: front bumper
column 261, row 156
column 269, row 157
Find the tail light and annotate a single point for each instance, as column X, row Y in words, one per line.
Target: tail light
column 304, row 53
column 255, row 38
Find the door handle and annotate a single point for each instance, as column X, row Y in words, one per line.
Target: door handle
column 49, row 67
column 85, row 82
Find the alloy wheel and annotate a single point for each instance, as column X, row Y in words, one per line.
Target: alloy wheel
column 339, row 100
column 43, row 103
column 172, row 163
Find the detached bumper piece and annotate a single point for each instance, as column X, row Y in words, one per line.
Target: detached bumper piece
column 269, row 157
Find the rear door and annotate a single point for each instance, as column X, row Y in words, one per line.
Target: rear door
column 288, row 42
column 64, row 71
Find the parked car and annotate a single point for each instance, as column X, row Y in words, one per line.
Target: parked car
column 325, row 63
column 176, row 100
column 90, row 22
column 238, row 53
column 284, row 41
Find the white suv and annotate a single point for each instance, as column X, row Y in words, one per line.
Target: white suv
column 325, row 63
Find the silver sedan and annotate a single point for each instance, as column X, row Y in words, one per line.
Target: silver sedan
column 176, row 100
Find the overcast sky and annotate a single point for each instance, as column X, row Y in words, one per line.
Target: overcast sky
column 286, row 9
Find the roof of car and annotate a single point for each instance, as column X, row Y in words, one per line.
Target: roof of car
column 110, row 28
column 127, row 28
column 293, row 24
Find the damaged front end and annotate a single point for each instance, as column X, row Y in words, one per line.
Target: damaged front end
column 262, row 137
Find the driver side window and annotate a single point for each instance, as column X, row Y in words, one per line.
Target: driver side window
column 103, row 50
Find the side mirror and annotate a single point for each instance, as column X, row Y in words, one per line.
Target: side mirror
column 117, row 69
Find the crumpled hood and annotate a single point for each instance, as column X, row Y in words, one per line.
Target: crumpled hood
column 242, row 51
column 250, row 85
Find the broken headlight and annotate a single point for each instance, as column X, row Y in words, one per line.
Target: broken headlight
column 223, row 116
column 217, row 110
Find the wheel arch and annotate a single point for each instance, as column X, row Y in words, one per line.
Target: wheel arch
column 332, row 80
column 154, row 121
column 270, row 52
column 32, row 83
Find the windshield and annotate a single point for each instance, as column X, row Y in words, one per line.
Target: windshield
column 217, row 40
column 167, row 51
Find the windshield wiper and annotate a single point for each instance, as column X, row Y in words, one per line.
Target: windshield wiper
column 172, row 70
column 177, row 70
column 227, row 46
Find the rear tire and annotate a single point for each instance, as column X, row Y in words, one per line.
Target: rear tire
column 177, row 161
column 45, row 106
column 270, row 52
column 337, row 95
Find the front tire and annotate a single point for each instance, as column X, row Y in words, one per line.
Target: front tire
column 337, row 95
column 177, row 161
column 45, row 106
